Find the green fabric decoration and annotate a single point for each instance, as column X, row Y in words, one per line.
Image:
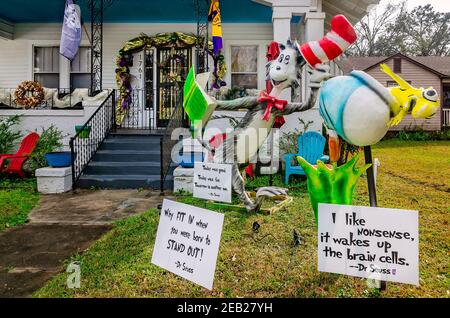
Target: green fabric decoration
column 331, row 185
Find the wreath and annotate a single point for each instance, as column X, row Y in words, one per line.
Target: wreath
column 174, row 75
column 29, row 94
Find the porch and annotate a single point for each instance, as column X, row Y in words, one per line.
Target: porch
column 154, row 108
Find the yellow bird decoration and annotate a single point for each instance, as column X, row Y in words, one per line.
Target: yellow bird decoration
column 419, row 102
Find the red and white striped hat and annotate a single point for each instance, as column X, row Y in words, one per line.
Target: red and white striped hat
column 341, row 36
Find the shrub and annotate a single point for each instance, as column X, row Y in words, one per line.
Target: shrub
column 288, row 141
column 8, row 137
column 50, row 140
column 421, row 135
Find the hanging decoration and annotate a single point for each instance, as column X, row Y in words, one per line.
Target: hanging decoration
column 160, row 40
column 29, row 94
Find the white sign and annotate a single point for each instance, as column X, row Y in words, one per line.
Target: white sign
column 212, row 181
column 376, row 243
column 187, row 242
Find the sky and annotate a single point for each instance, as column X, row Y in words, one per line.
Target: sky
column 438, row 5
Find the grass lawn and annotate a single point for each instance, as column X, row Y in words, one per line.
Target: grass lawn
column 413, row 175
column 17, row 198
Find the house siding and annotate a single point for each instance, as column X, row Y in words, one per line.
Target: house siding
column 419, row 77
column 16, row 56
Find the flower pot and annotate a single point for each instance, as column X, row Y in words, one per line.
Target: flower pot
column 188, row 159
column 59, row 159
column 83, row 132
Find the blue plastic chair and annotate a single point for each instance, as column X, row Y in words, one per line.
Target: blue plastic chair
column 310, row 146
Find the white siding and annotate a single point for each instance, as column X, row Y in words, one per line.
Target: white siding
column 16, row 55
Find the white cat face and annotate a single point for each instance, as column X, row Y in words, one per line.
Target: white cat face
column 283, row 72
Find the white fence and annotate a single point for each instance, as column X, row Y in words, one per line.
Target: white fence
column 446, row 117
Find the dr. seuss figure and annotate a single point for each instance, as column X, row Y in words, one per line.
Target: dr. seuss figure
column 263, row 111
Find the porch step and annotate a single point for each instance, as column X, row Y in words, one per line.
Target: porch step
column 123, row 168
column 126, row 161
column 124, row 181
column 127, row 155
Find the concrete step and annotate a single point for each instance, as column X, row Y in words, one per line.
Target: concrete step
column 124, row 181
column 123, row 168
column 127, row 155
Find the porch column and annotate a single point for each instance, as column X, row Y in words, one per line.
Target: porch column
column 313, row 30
column 281, row 20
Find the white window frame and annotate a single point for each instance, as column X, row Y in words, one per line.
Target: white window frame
column 64, row 63
column 261, row 59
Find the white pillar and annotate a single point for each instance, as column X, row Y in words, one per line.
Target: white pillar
column 281, row 19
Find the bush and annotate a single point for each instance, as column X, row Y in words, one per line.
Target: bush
column 50, row 140
column 421, row 135
column 9, row 138
column 288, row 141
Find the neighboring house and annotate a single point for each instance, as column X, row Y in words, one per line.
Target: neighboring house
column 419, row 71
column 30, row 36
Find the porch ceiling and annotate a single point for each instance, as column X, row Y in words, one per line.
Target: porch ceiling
column 135, row 11
column 354, row 10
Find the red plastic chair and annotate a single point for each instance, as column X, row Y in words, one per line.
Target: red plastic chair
column 17, row 160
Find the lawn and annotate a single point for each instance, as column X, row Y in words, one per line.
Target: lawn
column 413, row 175
column 17, row 198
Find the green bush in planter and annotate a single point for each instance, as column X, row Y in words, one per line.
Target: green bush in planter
column 83, row 132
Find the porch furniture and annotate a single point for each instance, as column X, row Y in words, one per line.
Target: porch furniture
column 310, row 146
column 17, row 160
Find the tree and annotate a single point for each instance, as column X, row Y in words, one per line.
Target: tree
column 421, row 31
column 372, row 27
column 427, row 32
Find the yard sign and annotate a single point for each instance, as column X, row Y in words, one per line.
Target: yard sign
column 212, row 181
column 187, row 242
column 376, row 243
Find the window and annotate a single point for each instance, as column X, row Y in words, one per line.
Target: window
column 397, row 65
column 244, row 66
column 394, row 83
column 80, row 70
column 46, row 66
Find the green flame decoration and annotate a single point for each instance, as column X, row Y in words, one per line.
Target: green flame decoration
column 334, row 184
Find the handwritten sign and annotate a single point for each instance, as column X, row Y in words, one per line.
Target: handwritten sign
column 187, row 242
column 376, row 243
column 212, row 181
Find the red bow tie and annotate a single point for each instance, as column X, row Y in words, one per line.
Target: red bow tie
column 271, row 102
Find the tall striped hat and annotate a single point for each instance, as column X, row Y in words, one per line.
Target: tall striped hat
column 341, row 36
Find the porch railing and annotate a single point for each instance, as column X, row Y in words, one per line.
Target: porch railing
column 178, row 120
column 446, row 117
column 88, row 139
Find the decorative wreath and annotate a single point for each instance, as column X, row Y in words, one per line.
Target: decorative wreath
column 178, row 76
column 160, row 40
column 29, row 94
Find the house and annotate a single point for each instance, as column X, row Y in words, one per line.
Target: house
column 29, row 43
column 419, row 71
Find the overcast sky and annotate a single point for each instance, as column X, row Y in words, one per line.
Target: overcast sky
column 438, row 5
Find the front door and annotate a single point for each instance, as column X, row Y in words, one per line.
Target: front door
column 173, row 65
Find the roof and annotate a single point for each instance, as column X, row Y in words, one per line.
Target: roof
column 134, row 11
column 440, row 65
column 353, row 10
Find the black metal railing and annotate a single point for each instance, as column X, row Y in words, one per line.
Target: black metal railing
column 167, row 142
column 90, row 136
column 141, row 113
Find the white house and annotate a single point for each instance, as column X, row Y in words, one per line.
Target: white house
column 30, row 33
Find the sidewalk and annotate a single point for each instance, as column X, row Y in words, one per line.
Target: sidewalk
column 59, row 227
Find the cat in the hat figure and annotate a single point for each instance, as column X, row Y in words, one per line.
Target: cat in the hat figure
column 266, row 110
